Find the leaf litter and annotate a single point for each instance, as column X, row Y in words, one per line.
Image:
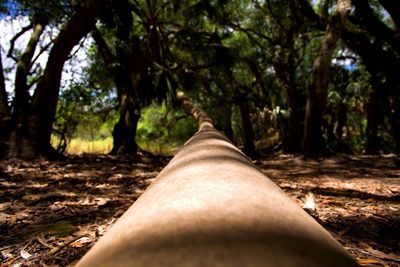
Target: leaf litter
column 52, row 213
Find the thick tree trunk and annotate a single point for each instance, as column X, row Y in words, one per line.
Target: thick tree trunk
column 4, row 108
column 5, row 117
column 294, row 136
column 22, row 100
column 211, row 206
column 313, row 143
column 34, row 139
column 124, row 133
column 127, row 80
column 285, row 69
column 125, row 129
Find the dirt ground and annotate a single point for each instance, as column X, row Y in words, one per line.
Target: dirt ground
column 51, row 213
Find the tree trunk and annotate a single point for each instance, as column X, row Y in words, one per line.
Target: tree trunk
column 127, row 80
column 4, row 108
column 295, row 120
column 22, row 97
column 395, row 122
column 292, row 136
column 226, row 120
column 372, row 145
column 313, row 143
column 34, row 139
column 341, row 123
column 210, row 206
column 285, row 68
column 124, row 133
column 5, row 117
column 248, row 133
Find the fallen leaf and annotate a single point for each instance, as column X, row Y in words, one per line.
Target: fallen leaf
column 4, row 206
column 101, row 201
column 25, row 254
column 309, row 202
column 80, row 242
column 370, row 262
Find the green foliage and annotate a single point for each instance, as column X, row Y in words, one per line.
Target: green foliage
column 85, row 113
column 220, row 52
column 162, row 129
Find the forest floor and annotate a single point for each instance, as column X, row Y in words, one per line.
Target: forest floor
column 51, row 213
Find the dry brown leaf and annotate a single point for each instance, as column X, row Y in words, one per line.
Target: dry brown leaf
column 80, row 242
column 370, row 262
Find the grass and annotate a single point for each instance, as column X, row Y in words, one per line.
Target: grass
column 79, row 146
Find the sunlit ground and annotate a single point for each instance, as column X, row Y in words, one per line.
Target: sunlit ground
column 79, row 146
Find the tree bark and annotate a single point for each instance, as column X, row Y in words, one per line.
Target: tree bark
column 372, row 145
column 128, row 70
column 210, row 206
column 248, row 133
column 5, row 117
column 4, row 108
column 292, row 138
column 124, row 133
column 313, row 143
column 342, row 146
column 22, row 97
column 34, row 139
column 226, row 120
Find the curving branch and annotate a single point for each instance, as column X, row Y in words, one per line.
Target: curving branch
column 42, row 50
column 204, row 122
column 393, row 8
column 14, row 39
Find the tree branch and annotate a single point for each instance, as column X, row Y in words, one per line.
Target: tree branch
column 14, row 39
column 44, row 49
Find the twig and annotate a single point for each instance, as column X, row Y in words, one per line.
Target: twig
column 375, row 255
column 44, row 49
column 9, row 263
column 56, row 249
column 43, row 242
